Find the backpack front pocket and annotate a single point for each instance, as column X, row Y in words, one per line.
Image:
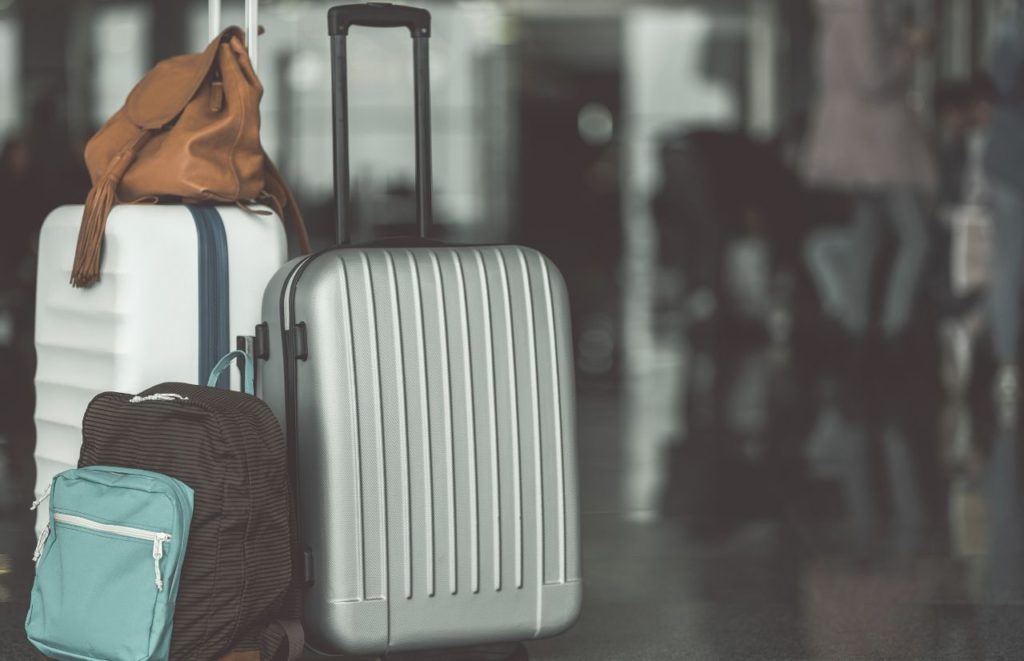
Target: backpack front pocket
column 107, row 570
column 158, row 539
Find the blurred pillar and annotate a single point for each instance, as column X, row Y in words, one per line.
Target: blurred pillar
column 56, row 59
column 763, row 67
column 978, row 45
column 955, row 39
column 988, row 16
column 45, row 42
column 797, row 49
column 169, row 29
column 927, row 72
column 499, row 136
column 287, row 145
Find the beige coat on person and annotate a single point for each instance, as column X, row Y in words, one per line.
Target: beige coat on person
column 864, row 134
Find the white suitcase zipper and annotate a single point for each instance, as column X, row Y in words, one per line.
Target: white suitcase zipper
column 158, row 538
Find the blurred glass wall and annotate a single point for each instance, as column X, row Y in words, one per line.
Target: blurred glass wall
column 9, row 96
column 562, row 124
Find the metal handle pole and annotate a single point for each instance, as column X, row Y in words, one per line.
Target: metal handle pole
column 214, row 16
column 424, row 170
column 215, row 23
column 339, row 82
column 252, row 31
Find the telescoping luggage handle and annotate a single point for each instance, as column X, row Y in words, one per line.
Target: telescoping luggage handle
column 380, row 15
column 251, row 26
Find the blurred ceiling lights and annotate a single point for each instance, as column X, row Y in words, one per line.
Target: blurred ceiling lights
column 595, row 124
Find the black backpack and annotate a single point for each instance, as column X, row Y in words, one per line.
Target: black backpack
column 239, row 590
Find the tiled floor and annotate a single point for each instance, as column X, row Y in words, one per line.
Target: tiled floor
column 797, row 516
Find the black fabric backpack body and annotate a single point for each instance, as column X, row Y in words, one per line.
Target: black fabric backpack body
column 238, row 588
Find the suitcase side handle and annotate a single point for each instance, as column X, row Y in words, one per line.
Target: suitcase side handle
column 380, row 15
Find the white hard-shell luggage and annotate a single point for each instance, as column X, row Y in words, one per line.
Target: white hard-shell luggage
column 178, row 283
column 428, row 396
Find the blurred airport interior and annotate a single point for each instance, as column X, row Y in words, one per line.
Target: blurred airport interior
column 792, row 232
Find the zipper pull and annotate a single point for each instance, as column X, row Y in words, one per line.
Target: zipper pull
column 43, row 534
column 39, row 501
column 158, row 553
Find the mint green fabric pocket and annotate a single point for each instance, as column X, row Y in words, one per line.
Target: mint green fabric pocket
column 108, row 565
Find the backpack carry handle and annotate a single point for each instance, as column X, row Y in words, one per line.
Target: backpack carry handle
column 339, row 19
column 247, row 386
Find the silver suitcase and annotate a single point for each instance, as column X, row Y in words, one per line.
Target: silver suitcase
column 428, row 397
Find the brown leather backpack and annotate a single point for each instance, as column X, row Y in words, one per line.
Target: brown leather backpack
column 191, row 130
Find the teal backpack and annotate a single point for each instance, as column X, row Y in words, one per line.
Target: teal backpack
column 108, row 565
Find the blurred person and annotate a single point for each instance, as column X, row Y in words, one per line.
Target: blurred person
column 1004, row 165
column 982, row 104
column 827, row 251
column 866, row 141
column 961, row 265
column 727, row 210
column 953, row 102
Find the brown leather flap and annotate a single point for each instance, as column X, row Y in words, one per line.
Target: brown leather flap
column 165, row 91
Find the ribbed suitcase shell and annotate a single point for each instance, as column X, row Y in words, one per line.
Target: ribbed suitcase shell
column 139, row 324
column 435, row 444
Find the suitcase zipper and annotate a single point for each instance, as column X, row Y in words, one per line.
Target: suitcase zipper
column 301, row 557
column 158, row 538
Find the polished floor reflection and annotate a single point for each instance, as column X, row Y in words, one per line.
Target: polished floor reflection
column 746, row 500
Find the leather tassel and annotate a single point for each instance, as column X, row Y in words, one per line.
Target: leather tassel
column 86, row 269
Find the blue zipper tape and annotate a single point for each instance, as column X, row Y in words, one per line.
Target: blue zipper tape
column 214, row 309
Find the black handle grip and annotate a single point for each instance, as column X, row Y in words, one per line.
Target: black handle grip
column 378, row 15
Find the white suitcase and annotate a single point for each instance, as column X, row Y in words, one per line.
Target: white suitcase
column 177, row 285
column 157, row 314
